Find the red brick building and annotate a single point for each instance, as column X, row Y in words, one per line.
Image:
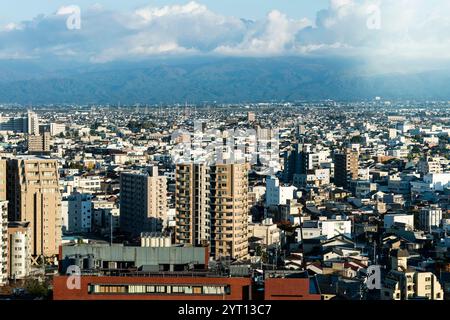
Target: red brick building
column 153, row 288
column 291, row 289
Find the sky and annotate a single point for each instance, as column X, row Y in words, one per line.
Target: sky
column 389, row 35
column 19, row 10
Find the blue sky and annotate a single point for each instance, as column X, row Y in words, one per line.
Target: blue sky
column 19, row 10
column 392, row 35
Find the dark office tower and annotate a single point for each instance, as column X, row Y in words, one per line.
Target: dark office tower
column 345, row 167
column 292, row 163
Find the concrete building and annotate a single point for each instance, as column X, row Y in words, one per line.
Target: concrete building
column 334, row 227
column 313, row 178
column 267, row 231
column 34, row 197
column 39, row 144
column 392, row 219
column 346, row 167
column 80, row 212
column 105, row 213
column 431, row 182
column 57, row 128
column 143, row 201
column 3, row 242
column 429, row 165
column 327, row 228
column 144, row 258
column 430, row 217
column 301, row 160
column 3, row 179
column 251, row 117
column 229, row 210
column 84, row 184
column 64, row 215
column 277, row 194
column 404, row 283
column 192, row 191
column 212, row 207
column 27, row 123
column 173, row 286
column 18, row 250
column 411, row 284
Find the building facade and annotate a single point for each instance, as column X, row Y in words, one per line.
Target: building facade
column 80, row 212
column 192, row 191
column 39, row 143
column 430, row 217
column 212, row 207
column 34, row 197
column 346, row 167
column 143, row 201
column 18, row 250
column 229, row 210
column 3, row 242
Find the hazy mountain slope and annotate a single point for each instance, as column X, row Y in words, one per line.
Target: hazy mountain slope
column 221, row 80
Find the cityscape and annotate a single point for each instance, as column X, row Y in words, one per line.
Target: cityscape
column 316, row 201
column 236, row 160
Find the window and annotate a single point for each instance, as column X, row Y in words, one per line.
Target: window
column 198, row 290
column 160, row 289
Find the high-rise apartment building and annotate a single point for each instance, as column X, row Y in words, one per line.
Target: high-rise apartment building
column 18, row 250
column 3, row 176
column 212, row 207
column 143, row 201
column 34, row 197
column 192, row 203
column 229, row 210
column 80, row 212
column 299, row 161
column 346, row 167
column 38, row 144
column 3, row 242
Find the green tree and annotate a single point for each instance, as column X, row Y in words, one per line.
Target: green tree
column 37, row 288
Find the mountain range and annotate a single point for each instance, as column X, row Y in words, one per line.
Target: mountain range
column 221, row 80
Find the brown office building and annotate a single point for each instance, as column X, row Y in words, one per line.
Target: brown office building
column 34, row 197
column 346, row 167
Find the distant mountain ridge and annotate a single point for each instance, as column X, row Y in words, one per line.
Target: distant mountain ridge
column 230, row 80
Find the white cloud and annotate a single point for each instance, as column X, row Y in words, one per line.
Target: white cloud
column 192, row 8
column 276, row 37
column 411, row 31
column 66, row 10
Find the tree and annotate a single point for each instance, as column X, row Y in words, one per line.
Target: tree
column 37, row 288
